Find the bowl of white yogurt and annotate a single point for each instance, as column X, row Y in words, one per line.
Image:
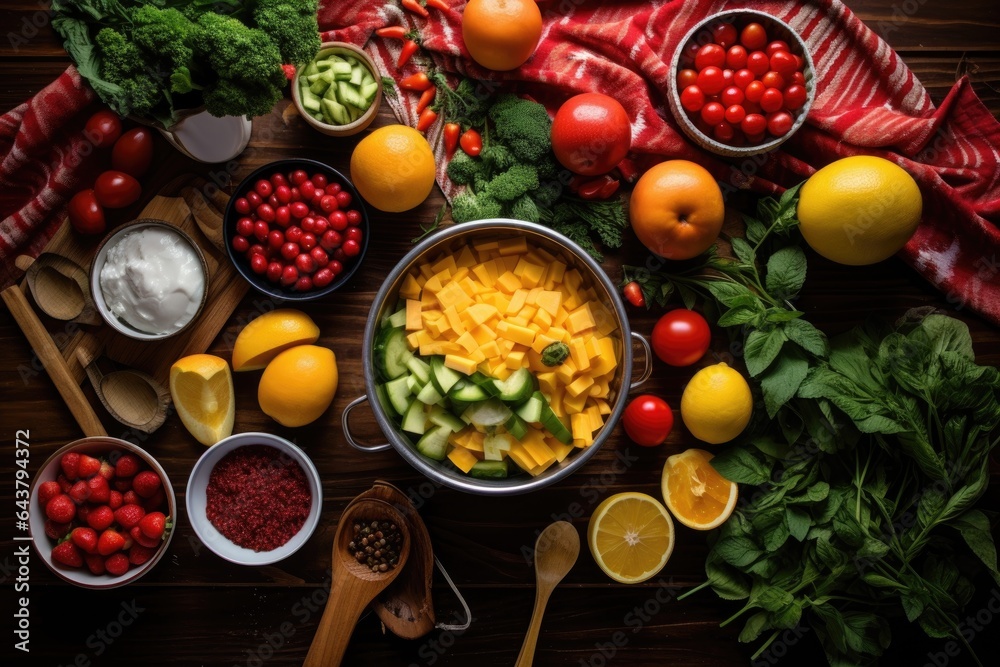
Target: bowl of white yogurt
column 149, row 280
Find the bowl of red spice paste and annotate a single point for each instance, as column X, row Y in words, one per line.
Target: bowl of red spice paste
column 254, row 498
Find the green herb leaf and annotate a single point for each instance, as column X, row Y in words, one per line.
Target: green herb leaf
column 806, row 336
column 737, row 316
column 688, row 296
column 770, row 598
column 727, row 293
column 738, row 465
column 782, row 380
column 761, row 349
column 737, row 550
column 754, row 626
column 975, row 530
column 786, row 272
column 743, row 251
column 727, row 582
column 798, row 521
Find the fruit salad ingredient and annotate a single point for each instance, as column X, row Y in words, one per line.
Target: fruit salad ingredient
column 116, row 189
column 695, row 493
column 681, row 337
column 298, row 385
column 716, row 404
column 393, row 168
column 133, row 152
column 202, row 390
column 591, row 134
column 103, row 129
column 647, row 420
column 270, row 334
column 337, row 88
column 501, row 34
column 631, row 537
column 676, row 209
column 859, row 210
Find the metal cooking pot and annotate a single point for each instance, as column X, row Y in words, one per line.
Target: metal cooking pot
column 385, row 303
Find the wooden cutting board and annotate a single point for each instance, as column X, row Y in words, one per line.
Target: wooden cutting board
column 181, row 203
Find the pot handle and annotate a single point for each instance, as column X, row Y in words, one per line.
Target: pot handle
column 648, row 370
column 345, row 423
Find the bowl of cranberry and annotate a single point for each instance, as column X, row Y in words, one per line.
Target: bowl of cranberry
column 102, row 512
column 296, row 229
column 254, row 498
column 742, row 83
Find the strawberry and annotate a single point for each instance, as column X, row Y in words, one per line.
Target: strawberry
column 115, row 499
column 156, row 502
column 56, row 530
column 70, row 463
column 123, row 484
column 95, row 563
column 139, row 554
column 100, row 518
column 100, row 492
column 64, row 483
column 61, row 509
column 67, row 553
column 107, row 471
column 109, row 542
column 47, row 491
column 80, row 492
column 117, row 564
column 129, row 515
column 127, row 465
column 129, row 497
column 146, row 483
column 153, row 524
column 87, row 466
column 140, row 538
column 83, row 511
column 85, row 538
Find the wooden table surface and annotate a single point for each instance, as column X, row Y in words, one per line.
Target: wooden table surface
column 196, row 609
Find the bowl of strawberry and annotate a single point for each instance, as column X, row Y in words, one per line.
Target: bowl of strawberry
column 742, row 83
column 102, row 512
column 296, row 229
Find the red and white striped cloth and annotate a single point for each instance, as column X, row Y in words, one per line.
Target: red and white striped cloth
column 868, row 102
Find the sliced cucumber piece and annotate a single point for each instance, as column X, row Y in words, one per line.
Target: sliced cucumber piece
column 516, row 388
column 334, row 113
column 489, row 470
column 442, row 417
column 311, row 68
column 443, row 377
column 531, row 410
column 434, row 443
column 429, row 395
column 484, row 382
column 321, row 65
column 341, row 70
column 392, row 352
column 419, row 368
column 468, row 393
column 413, row 384
column 398, row 319
column 555, row 426
column 357, row 74
column 310, row 101
column 399, row 394
column 415, row 420
column 487, row 413
column 494, row 444
column 368, row 91
column 320, row 85
column 516, row 426
column 383, row 399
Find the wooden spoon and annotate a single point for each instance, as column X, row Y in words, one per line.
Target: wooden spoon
column 354, row 585
column 208, row 205
column 60, row 287
column 130, row 396
column 556, row 551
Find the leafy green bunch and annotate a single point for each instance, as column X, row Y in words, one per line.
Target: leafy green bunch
column 517, row 176
column 157, row 58
column 867, row 468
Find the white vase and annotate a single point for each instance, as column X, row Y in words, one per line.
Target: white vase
column 207, row 138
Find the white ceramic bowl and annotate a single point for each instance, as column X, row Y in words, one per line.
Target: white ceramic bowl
column 101, row 256
column 341, row 48
column 96, row 446
column 197, row 501
column 776, row 29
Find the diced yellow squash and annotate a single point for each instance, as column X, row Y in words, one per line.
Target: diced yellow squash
column 578, row 349
column 581, row 426
column 467, row 341
column 506, row 346
column 593, row 349
column 475, row 441
column 518, row 334
column 557, row 272
column 508, row 282
column 536, row 447
column 485, row 246
column 452, row 294
column 491, row 350
column 600, row 389
column 479, row 313
column 518, row 321
column 517, row 245
column 425, row 270
column 483, row 334
column 603, row 317
column 542, row 341
column 460, row 364
column 607, row 360
column 581, row 444
column 410, row 288
column 486, row 272
column 560, row 450
column 542, row 319
column 477, row 356
column 433, row 284
column 527, row 313
column 573, row 280
column 414, row 322
column 462, row 458
column 514, row 360
column 455, row 321
column 446, row 262
column 596, row 420
column 500, row 371
column 468, row 285
column 521, row 457
column 517, row 301
column 573, row 404
column 579, row 320
column 580, row 385
column 465, row 258
column 550, row 301
column 508, row 263
column 603, row 406
column 414, row 339
column 565, row 371
column 546, row 383
column 438, row 327
column 559, row 333
column 535, row 364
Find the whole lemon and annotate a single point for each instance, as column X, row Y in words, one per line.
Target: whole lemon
column 298, row 385
column 716, row 404
column 859, row 210
column 393, row 168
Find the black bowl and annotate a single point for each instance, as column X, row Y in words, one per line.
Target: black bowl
column 260, row 282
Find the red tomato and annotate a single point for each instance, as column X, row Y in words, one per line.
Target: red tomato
column 724, row 34
column 723, row 132
column 710, row 54
column 86, row 214
column 692, row 98
column 798, row 78
column 133, row 152
column 736, row 57
column 773, row 79
column 754, row 90
column 115, row 189
column 795, row 96
column 591, row 134
column 686, row 77
column 783, row 62
column 758, row 63
column 771, row 100
column 775, row 46
column 731, row 95
column 681, row 337
column 754, row 37
column 779, row 123
column 647, row 420
column 743, row 78
column 471, row 142
column 713, row 113
column 753, row 125
column 735, row 114
column 103, row 129
column 711, row 80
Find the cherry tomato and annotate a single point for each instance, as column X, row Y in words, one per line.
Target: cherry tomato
column 633, row 294
column 795, row 97
column 727, row 77
column 333, row 188
column 133, row 152
column 256, row 249
column 743, row 77
column 240, row 244
column 723, row 132
column 771, row 100
column 261, row 230
column 779, row 123
column 307, row 189
column 116, row 189
column 686, row 77
column 775, row 46
column 275, row 239
column 351, row 248
column 274, row 270
column 328, row 203
column 736, row 57
column 323, row 277
column 303, row 284
column 713, row 113
column 265, row 213
column 724, row 34
column 753, row 124
column 335, row 264
column 103, row 129
column 305, row 263
column 471, row 142
column 773, row 79
column 283, row 193
column 278, row 180
column 758, row 63
column 711, row 80
column 322, row 224
column 754, row 37
column 783, row 62
column 264, row 188
column 319, row 180
column 732, row 95
column 290, row 251
column 283, row 215
column 692, row 98
column 647, row 420
column 298, row 177
column 798, row 79
column 710, row 54
column 754, row 91
column 343, row 199
column 735, row 114
column 681, row 337
column 354, row 234
column 308, row 241
column 86, row 214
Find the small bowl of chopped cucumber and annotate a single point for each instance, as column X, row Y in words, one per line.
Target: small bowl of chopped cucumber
column 339, row 92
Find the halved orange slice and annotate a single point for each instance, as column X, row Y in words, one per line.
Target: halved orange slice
column 631, row 537
column 695, row 493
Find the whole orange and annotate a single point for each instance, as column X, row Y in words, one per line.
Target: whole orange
column 501, row 34
column 676, row 209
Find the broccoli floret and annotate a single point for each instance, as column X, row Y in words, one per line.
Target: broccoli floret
column 523, row 126
column 513, row 183
column 122, row 64
column 292, row 26
column 548, row 192
column 548, row 168
column 524, row 208
column 463, row 169
column 498, row 157
column 470, row 206
column 555, row 353
column 165, row 36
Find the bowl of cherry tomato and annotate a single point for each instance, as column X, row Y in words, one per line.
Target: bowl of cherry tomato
column 742, row 83
column 296, row 229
